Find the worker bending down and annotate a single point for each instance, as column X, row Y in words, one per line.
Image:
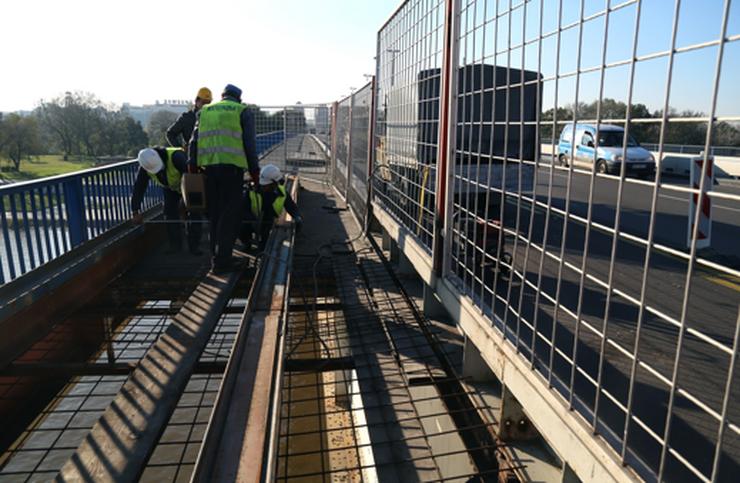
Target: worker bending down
column 263, row 204
column 165, row 166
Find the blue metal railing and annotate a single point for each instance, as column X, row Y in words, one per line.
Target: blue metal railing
column 268, row 140
column 45, row 218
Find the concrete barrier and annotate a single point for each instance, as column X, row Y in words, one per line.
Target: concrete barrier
column 679, row 164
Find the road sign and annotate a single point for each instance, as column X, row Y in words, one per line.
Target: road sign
column 704, row 233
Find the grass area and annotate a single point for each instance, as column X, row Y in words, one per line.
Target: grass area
column 43, row 166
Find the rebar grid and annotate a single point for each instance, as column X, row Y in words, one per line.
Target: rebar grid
column 370, row 328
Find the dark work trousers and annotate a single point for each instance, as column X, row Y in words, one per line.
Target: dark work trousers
column 224, row 200
column 248, row 222
column 172, row 209
column 252, row 225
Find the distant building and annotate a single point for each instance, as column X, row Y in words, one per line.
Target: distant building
column 143, row 113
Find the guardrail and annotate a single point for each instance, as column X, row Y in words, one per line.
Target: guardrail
column 268, row 140
column 732, row 151
column 45, row 218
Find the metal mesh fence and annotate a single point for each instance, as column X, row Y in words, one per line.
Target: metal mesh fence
column 361, row 105
column 577, row 242
column 582, row 216
column 341, row 148
column 407, row 114
column 293, row 138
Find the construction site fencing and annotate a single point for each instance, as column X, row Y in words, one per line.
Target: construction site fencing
column 43, row 219
column 409, row 67
column 359, row 149
column 293, row 137
column 340, row 152
column 614, row 278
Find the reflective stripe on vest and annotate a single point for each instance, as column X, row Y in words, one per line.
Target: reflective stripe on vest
column 220, row 134
column 170, row 171
column 255, row 199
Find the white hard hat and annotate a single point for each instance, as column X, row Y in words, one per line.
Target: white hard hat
column 150, row 160
column 270, row 174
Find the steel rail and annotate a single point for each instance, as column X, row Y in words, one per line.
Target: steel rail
column 238, row 439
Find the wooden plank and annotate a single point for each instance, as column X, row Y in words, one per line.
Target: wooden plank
column 118, row 446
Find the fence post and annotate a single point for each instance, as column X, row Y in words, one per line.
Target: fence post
column 285, row 134
column 74, row 206
column 446, row 140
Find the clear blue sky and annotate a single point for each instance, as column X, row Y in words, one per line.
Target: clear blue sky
column 277, row 51
column 283, row 51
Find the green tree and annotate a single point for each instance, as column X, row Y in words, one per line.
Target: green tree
column 58, row 120
column 19, row 138
column 134, row 136
column 726, row 134
column 157, row 126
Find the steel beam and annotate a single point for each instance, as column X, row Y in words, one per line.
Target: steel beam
column 239, row 439
column 121, row 441
column 66, row 370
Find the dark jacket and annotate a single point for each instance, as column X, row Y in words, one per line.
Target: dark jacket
column 142, row 177
column 179, row 134
column 249, row 140
column 268, row 198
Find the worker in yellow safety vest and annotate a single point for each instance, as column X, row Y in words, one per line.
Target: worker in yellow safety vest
column 224, row 145
column 265, row 203
column 164, row 167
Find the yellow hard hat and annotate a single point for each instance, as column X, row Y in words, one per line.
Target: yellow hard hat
column 205, row 94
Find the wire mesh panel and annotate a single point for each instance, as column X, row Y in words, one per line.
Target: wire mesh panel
column 293, row 138
column 304, row 149
column 342, row 144
column 270, row 129
column 407, row 114
column 43, row 219
column 361, row 105
column 609, row 260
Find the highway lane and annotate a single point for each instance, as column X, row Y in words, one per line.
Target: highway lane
column 672, row 209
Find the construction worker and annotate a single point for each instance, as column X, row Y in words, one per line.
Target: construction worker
column 165, row 166
column 224, row 145
column 179, row 134
column 264, row 204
